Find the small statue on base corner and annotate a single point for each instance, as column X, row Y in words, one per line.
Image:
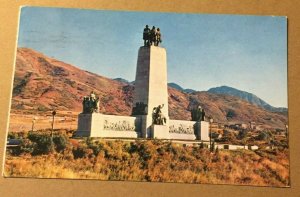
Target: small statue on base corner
column 198, row 114
column 139, row 109
column 90, row 104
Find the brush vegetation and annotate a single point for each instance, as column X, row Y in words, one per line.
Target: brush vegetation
column 141, row 160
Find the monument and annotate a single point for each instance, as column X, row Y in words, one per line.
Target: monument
column 151, row 85
column 149, row 117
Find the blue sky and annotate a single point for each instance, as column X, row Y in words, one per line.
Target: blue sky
column 203, row 50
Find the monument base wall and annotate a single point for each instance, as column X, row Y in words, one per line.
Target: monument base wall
column 100, row 125
column 177, row 136
column 84, row 125
column 202, row 131
column 160, row 132
column 182, row 129
column 111, row 126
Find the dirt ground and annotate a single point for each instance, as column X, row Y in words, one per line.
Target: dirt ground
column 28, row 122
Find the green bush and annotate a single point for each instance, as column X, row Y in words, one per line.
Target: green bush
column 96, row 146
column 26, row 146
column 60, row 142
column 42, row 143
column 231, row 114
column 242, row 134
column 12, row 135
column 265, row 135
column 80, row 151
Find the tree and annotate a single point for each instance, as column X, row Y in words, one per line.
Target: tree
column 231, row 113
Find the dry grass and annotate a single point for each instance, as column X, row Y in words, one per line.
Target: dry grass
column 155, row 161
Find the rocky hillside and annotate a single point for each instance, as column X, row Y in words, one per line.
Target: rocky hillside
column 42, row 83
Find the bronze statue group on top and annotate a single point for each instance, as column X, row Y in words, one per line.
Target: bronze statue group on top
column 151, row 36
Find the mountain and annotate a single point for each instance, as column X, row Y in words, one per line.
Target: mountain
column 251, row 98
column 42, row 84
column 122, row 80
column 178, row 87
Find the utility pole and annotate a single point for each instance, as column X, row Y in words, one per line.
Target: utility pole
column 53, row 114
column 211, row 120
column 33, row 121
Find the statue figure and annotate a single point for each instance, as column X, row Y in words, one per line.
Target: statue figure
column 158, row 37
column 157, row 116
column 139, row 109
column 90, row 104
column 92, row 95
column 97, row 108
column 198, row 114
column 203, row 115
column 84, row 104
column 146, row 36
column 153, row 36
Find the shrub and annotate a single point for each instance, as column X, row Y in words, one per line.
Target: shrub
column 42, row 143
column 242, row 134
column 12, row 135
column 155, row 161
column 228, row 137
column 265, row 135
column 96, row 146
column 60, row 142
column 231, row 114
column 42, row 108
column 80, row 151
column 26, row 146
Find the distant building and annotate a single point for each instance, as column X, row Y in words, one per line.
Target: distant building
column 259, row 127
column 237, row 126
column 252, row 125
column 221, row 126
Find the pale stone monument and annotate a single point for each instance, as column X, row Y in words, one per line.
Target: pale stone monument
column 151, row 85
column 150, row 117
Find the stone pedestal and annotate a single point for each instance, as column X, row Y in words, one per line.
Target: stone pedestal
column 151, row 84
column 160, row 132
column 84, row 125
column 101, row 125
column 146, row 122
column 182, row 129
column 202, row 130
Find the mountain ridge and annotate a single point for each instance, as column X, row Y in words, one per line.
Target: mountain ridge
column 42, row 84
column 250, row 97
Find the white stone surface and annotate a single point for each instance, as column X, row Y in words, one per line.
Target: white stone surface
column 160, row 132
column 204, row 131
column 177, row 136
column 151, row 78
column 182, row 129
column 100, row 125
column 151, row 83
column 253, row 147
column 151, row 89
column 232, row 147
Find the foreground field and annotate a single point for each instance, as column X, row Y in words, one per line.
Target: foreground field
column 142, row 160
column 25, row 122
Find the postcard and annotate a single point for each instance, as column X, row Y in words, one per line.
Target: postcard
column 149, row 96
